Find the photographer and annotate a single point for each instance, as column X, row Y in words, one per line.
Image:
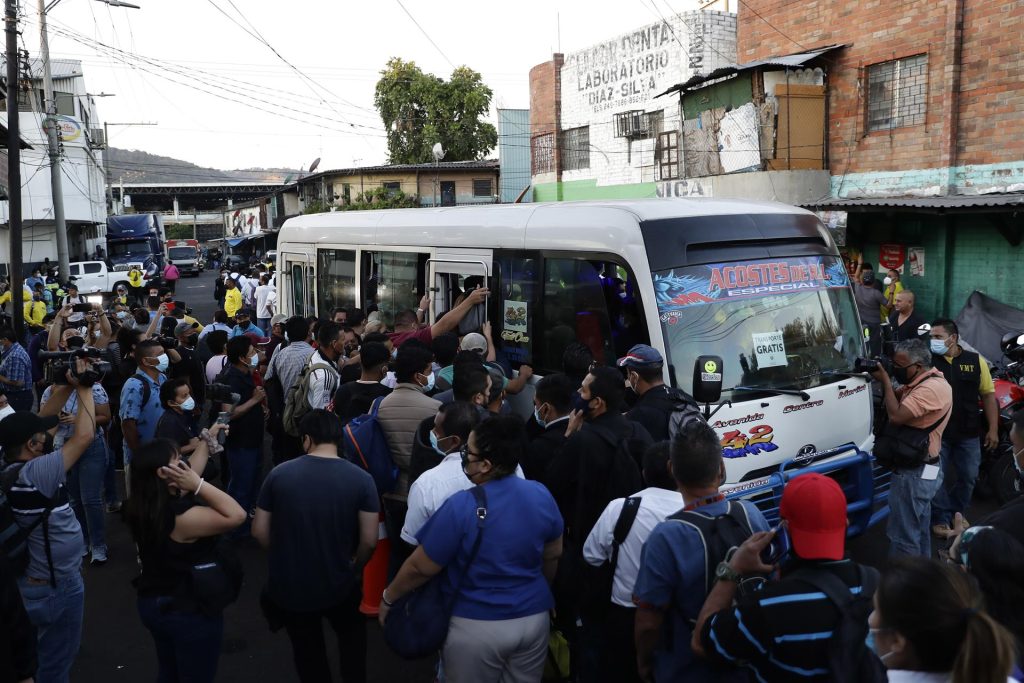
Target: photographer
column 921, row 405
column 85, row 480
column 51, row 585
column 15, row 371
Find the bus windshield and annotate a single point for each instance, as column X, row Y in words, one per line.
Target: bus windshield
column 777, row 323
column 180, row 253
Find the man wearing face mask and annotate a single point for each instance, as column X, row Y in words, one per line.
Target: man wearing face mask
column 355, row 398
column 552, row 403
column 324, row 379
column 924, row 401
column 655, row 402
column 968, row 373
column 140, row 396
column 15, row 371
column 189, row 367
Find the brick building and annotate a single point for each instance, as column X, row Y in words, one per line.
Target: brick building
column 925, row 143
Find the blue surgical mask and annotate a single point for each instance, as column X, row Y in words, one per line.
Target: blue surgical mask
column 394, row 353
column 121, row 315
column 869, row 643
column 254, row 360
column 162, row 362
column 434, row 443
column 939, row 347
column 188, row 405
column 430, row 382
column 538, row 418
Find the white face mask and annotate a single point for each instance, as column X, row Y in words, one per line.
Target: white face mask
column 5, row 411
column 887, row 281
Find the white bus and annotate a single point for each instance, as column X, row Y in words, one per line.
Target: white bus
column 759, row 284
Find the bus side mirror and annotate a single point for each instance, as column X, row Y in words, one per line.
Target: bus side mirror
column 707, row 379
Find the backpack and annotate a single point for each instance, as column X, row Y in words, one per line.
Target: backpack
column 13, row 536
column 849, row 660
column 296, row 402
column 365, row 444
column 621, row 476
column 718, row 535
column 147, row 391
column 684, row 411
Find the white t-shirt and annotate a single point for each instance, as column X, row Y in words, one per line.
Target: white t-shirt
column 655, row 505
column 266, row 298
column 214, row 367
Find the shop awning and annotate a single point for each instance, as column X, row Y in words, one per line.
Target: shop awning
column 947, row 204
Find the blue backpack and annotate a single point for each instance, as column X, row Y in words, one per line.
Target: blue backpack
column 365, row 444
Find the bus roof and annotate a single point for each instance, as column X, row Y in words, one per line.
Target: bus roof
column 506, row 224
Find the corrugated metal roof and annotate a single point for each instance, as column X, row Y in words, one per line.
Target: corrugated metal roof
column 483, row 165
column 798, row 59
column 931, row 204
column 59, row 68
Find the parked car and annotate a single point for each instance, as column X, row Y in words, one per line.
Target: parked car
column 94, row 277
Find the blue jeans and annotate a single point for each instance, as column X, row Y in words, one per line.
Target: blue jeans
column 187, row 644
column 85, row 488
column 57, row 615
column 264, row 324
column 244, row 482
column 910, row 512
column 962, row 456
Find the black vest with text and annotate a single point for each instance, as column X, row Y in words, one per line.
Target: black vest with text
column 963, row 374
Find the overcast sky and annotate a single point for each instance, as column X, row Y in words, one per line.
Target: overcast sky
column 279, row 118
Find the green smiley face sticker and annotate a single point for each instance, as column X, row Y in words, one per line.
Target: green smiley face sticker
column 710, row 366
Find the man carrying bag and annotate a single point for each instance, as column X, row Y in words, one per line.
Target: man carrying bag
column 911, row 442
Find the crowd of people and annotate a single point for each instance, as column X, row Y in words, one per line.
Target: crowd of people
column 587, row 539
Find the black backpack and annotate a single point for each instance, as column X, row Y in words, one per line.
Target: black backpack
column 684, row 411
column 13, row 536
column 849, row 659
column 718, row 534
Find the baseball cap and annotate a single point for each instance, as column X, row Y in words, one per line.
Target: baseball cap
column 278, row 319
column 814, row 507
column 641, row 356
column 182, row 328
column 474, row 341
column 24, row 425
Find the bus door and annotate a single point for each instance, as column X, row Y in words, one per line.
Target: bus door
column 296, row 282
column 451, row 274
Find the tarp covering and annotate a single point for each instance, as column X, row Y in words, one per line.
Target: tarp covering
column 983, row 321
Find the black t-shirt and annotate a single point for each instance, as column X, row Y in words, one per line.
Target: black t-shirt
column 1009, row 518
column 191, row 371
column 167, row 565
column 909, row 329
column 247, row 430
column 351, row 373
column 175, row 426
column 314, row 505
column 355, row 398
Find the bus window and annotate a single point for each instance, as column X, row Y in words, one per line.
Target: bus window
column 298, row 290
column 515, row 297
column 393, row 282
column 575, row 308
column 336, row 279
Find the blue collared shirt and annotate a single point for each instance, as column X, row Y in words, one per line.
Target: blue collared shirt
column 238, row 330
column 17, row 366
column 145, row 414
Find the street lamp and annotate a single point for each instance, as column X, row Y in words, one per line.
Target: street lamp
column 53, row 144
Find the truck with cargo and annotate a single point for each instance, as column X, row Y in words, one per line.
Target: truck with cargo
column 136, row 240
column 186, row 255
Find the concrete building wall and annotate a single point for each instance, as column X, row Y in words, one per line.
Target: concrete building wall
column 968, row 142
column 624, row 73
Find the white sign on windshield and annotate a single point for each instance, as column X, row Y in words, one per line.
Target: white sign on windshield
column 769, row 349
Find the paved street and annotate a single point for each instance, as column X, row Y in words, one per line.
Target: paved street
column 115, row 646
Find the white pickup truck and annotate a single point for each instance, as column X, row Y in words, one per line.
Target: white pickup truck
column 93, row 277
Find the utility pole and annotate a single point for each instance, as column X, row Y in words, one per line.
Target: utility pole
column 53, row 145
column 14, row 166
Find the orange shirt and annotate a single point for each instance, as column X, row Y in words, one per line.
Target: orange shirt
column 928, row 399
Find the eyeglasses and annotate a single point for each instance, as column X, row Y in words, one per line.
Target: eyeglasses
column 464, row 453
column 593, row 366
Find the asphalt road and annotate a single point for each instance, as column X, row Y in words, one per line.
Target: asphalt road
column 116, row 647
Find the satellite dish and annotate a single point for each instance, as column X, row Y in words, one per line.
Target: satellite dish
column 313, row 166
column 438, row 151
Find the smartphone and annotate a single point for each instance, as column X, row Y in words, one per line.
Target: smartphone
column 778, row 549
column 223, row 419
column 169, row 305
column 81, row 308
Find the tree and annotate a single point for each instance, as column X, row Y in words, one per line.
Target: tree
column 419, row 110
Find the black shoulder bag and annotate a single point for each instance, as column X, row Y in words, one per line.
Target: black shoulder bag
column 598, row 581
column 417, row 624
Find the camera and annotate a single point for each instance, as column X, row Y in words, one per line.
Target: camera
column 81, row 308
column 168, row 342
column 221, row 393
column 57, row 364
column 871, row 364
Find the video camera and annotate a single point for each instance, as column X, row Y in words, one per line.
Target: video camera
column 168, row 342
column 870, row 364
column 221, row 393
column 58, row 363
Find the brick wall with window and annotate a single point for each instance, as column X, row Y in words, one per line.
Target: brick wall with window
column 918, row 36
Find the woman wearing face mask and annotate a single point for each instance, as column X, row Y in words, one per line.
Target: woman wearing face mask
column 930, row 626
column 499, row 625
column 244, row 444
column 176, row 518
column 893, row 286
column 178, row 424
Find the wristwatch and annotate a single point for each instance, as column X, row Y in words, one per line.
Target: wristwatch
column 726, row 573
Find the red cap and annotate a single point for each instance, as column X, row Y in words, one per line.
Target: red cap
column 814, row 507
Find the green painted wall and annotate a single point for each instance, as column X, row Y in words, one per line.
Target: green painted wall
column 731, row 94
column 962, row 254
column 588, row 189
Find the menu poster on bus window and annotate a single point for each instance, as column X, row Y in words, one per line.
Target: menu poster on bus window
column 719, row 282
column 515, row 326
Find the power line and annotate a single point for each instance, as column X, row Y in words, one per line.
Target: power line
column 425, row 34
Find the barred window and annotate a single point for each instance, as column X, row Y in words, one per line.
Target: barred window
column 482, row 187
column 897, row 93
column 576, row 148
column 542, row 153
column 666, row 155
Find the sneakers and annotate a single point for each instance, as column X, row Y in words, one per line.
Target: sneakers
column 99, row 557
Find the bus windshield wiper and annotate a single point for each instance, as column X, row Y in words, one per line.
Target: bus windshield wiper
column 804, row 396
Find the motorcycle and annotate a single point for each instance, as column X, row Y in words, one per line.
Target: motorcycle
column 997, row 474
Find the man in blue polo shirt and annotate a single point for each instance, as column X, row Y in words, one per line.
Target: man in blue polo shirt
column 140, row 396
column 674, row 577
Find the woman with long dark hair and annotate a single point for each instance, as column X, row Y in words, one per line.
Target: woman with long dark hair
column 930, row 626
column 174, row 533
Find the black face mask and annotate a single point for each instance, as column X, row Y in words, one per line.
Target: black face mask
column 901, row 374
column 75, row 342
column 192, row 339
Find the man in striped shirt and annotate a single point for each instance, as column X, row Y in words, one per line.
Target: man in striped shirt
column 783, row 631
